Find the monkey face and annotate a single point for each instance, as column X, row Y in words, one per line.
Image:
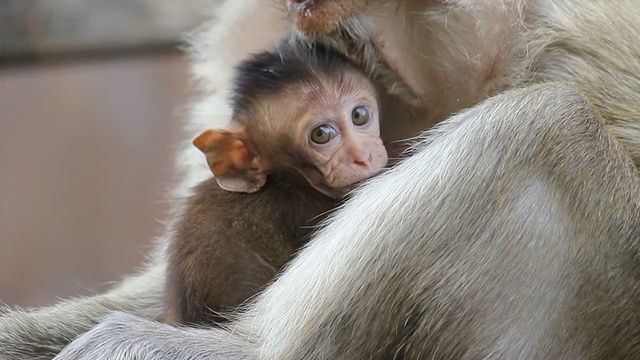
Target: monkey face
column 352, row 154
column 339, row 137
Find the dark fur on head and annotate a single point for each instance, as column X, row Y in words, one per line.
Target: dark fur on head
column 271, row 72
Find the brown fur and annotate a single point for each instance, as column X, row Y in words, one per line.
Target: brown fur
column 230, row 245
column 510, row 233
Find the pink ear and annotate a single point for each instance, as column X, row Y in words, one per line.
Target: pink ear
column 234, row 166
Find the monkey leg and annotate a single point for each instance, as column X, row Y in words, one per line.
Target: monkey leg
column 510, row 233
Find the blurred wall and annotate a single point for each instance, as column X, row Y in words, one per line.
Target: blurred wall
column 44, row 28
column 86, row 154
column 91, row 99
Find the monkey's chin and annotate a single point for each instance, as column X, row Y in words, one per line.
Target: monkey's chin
column 334, row 193
column 349, row 188
column 317, row 181
column 343, row 191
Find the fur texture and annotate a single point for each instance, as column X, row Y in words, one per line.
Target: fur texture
column 510, row 233
column 450, row 299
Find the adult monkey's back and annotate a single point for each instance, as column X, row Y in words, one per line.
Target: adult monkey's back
column 512, row 233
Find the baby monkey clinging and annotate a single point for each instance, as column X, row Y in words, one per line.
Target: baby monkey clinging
column 304, row 119
column 303, row 107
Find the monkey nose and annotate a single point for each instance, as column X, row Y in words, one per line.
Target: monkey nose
column 362, row 162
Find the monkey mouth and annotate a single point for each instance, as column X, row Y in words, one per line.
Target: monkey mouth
column 347, row 189
column 330, row 22
column 315, row 17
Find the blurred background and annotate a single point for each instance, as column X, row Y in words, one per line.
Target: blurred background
column 91, row 109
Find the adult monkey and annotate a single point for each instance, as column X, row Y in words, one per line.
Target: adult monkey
column 512, row 232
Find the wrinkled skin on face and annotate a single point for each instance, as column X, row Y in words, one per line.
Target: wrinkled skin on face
column 339, row 136
column 327, row 130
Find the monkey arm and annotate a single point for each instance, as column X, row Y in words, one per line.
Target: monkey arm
column 42, row 333
column 124, row 336
column 507, row 234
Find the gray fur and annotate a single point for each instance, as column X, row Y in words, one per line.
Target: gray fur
column 505, row 278
column 510, row 233
column 42, row 333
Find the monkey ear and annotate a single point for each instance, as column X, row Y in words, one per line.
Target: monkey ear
column 232, row 159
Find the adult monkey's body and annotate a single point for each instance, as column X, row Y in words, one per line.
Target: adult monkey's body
column 511, row 233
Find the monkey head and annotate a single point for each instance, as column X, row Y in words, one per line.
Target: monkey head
column 327, row 130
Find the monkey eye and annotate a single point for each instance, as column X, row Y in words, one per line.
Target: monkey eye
column 360, row 115
column 322, row 134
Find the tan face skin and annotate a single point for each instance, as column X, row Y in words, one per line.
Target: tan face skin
column 340, row 136
column 327, row 130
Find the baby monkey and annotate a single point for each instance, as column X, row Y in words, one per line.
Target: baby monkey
column 304, row 131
